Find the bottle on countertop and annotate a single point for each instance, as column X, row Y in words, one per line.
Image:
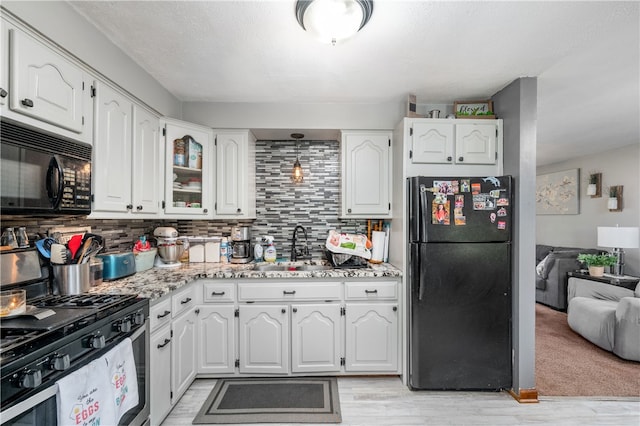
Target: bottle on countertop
column 224, row 250
column 258, row 250
column 270, row 254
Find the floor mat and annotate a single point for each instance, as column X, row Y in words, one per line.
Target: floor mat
column 272, row 400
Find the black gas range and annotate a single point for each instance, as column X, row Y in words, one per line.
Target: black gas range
column 60, row 334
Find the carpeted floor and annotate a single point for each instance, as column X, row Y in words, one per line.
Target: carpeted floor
column 569, row 365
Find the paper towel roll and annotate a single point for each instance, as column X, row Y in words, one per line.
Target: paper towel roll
column 377, row 239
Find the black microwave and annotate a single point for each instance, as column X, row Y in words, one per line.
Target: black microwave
column 42, row 174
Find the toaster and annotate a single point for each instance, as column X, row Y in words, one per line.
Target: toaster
column 117, row 265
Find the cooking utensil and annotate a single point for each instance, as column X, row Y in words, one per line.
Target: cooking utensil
column 58, row 254
column 44, row 247
column 85, row 246
column 74, row 244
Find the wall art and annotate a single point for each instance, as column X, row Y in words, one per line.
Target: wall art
column 558, row 192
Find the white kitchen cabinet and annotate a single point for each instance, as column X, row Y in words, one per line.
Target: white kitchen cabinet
column 216, row 328
column 445, row 141
column 183, row 353
column 147, row 174
column 189, row 171
column 371, row 337
column 112, row 150
column 160, row 373
column 235, row 175
column 366, row 173
column 44, row 84
column 5, row 27
column 315, row 338
column 264, row 339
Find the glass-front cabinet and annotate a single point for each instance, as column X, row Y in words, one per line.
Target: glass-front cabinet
column 190, row 161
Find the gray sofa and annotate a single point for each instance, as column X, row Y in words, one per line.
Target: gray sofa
column 552, row 265
column 607, row 316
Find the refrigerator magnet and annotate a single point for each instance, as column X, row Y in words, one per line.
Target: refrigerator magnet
column 502, row 224
column 492, row 179
column 459, row 201
column 503, row 202
column 444, row 186
column 460, row 220
column 495, row 193
column 475, row 188
column 440, row 213
column 440, row 199
column 455, row 186
column 465, row 185
column 492, row 217
column 483, row 202
column 502, row 212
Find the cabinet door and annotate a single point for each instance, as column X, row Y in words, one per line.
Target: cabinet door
column 112, row 150
column 366, row 174
column 4, row 65
column 160, row 374
column 476, row 143
column 231, row 170
column 183, row 354
column 189, row 170
column 264, row 339
column 146, row 174
column 315, row 338
column 372, row 337
column 432, row 143
column 216, row 339
column 44, row 85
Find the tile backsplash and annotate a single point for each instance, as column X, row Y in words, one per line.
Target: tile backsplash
column 280, row 203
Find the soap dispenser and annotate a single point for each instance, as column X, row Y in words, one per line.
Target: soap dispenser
column 257, row 250
column 270, row 253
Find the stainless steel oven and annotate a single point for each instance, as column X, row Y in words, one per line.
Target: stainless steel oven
column 61, row 335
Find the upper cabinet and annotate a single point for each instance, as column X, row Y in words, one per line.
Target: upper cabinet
column 45, row 89
column 366, row 174
column 235, row 175
column 189, row 169
column 454, row 141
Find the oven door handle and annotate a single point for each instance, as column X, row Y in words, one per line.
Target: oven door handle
column 55, row 181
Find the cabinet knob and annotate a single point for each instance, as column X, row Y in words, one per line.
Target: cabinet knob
column 138, row 208
column 3, row 93
column 449, row 158
column 284, row 311
column 295, row 310
column 460, row 158
column 205, row 210
column 239, row 211
column 395, row 308
column 129, row 206
column 27, row 102
column 348, row 210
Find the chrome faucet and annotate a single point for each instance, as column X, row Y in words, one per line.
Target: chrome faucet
column 302, row 253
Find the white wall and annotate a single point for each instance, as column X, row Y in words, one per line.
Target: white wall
column 618, row 167
column 63, row 25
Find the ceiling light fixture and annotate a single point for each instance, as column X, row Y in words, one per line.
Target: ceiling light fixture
column 297, row 176
column 332, row 21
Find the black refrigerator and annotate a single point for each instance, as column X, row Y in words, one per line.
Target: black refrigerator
column 460, row 282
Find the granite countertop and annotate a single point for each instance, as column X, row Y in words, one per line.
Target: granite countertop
column 157, row 282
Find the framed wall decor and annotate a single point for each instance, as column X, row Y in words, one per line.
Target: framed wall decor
column 474, row 109
column 558, row 192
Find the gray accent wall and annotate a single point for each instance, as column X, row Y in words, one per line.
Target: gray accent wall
column 516, row 104
column 618, row 167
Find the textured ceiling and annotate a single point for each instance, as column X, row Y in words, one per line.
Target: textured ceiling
column 585, row 55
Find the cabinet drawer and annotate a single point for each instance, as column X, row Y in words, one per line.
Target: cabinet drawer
column 159, row 314
column 371, row 290
column 293, row 291
column 218, row 292
column 183, row 300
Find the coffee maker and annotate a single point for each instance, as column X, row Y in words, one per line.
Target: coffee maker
column 241, row 250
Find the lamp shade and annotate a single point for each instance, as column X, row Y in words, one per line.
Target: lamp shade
column 618, row 237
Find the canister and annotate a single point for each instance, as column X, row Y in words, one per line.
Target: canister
column 95, row 271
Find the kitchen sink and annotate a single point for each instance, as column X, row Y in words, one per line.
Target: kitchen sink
column 268, row 268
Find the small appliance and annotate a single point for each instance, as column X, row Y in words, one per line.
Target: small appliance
column 241, row 244
column 170, row 247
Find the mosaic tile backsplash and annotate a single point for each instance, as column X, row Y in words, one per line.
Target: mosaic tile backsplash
column 280, row 204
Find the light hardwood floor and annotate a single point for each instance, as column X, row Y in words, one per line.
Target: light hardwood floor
column 368, row 401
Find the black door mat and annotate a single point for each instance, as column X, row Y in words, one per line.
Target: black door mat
column 272, row 400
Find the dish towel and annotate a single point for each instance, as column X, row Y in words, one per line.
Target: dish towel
column 121, row 370
column 84, row 397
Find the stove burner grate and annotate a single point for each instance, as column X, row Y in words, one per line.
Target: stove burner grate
column 82, row 300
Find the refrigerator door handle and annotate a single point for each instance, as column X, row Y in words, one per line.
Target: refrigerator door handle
column 416, row 279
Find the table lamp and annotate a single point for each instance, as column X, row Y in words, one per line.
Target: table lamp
column 618, row 238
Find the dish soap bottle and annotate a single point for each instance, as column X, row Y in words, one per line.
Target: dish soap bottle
column 257, row 250
column 270, row 253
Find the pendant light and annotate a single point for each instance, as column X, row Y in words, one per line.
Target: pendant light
column 332, row 21
column 297, row 176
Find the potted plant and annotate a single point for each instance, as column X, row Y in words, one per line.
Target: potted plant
column 597, row 262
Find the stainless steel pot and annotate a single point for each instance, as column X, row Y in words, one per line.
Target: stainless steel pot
column 71, row 279
column 240, row 233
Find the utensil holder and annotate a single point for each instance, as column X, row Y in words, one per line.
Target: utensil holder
column 71, row 279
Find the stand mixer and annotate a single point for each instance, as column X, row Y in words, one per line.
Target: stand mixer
column 170, row 247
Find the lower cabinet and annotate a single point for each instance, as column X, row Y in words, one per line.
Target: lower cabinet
column 183, row 354
column 315, row 338
column 264, row 339
column 160, row 359
column 371, row 337
column 217, row 339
